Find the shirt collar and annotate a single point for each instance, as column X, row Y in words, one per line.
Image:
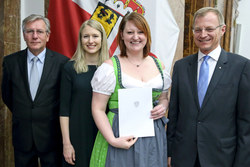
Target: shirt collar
column 41, row 56
column 215, row 54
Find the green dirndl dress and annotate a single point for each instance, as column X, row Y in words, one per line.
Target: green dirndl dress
column 147, row 151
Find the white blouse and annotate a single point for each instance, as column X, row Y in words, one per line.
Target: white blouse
column 104, row 80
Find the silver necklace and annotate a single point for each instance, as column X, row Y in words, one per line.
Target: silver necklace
column 137, row 65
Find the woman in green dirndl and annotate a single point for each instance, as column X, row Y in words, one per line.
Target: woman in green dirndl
column 132, row 68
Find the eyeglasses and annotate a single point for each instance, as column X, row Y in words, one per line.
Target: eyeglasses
column 207, row 29
column 38, row 32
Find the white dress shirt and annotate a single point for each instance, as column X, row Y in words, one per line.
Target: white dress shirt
column 212, row 61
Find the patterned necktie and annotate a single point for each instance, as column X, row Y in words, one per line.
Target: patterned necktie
column 203, row 79
column 34, row 77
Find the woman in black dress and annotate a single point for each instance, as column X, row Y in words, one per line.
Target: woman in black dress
column 77, row 125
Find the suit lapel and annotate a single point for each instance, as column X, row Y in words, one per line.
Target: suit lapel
column 47, row 68
column 24, row 70
column 192, row 73
column 220, row 68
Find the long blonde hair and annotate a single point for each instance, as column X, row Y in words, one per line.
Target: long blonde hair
column 79, row 55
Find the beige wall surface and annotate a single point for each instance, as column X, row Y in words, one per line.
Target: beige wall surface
column 178, row 9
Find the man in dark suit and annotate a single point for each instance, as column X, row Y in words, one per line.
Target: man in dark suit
column 209, row 108
column 30, row 89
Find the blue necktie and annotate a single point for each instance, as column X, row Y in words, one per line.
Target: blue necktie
column 203, row 79
column 34, row 77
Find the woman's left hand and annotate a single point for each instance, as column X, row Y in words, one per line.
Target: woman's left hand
column 158, row 111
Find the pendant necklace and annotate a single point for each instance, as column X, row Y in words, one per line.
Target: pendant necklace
column 137, row 65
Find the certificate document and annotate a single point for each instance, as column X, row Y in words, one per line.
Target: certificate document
column 135, row 105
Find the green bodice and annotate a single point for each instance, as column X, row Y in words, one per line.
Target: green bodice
column 113, row 101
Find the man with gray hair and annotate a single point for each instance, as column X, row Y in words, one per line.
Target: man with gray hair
column 209, row 109
column 30, row 89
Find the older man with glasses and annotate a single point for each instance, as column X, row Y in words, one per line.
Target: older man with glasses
column 209, row 108
column 30, row 89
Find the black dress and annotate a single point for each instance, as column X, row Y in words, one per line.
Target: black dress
column 76, row 96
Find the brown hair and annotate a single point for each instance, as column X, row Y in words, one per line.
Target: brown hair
column 203, row 11
column 141, row 24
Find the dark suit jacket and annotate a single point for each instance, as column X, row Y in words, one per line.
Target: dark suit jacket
column 33, row 122
column 219, row 130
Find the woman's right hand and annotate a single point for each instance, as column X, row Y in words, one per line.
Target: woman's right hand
column 69, row 153
column 124, row 142
column 169, row 161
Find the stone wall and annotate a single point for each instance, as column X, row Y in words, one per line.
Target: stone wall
column 9, row 43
